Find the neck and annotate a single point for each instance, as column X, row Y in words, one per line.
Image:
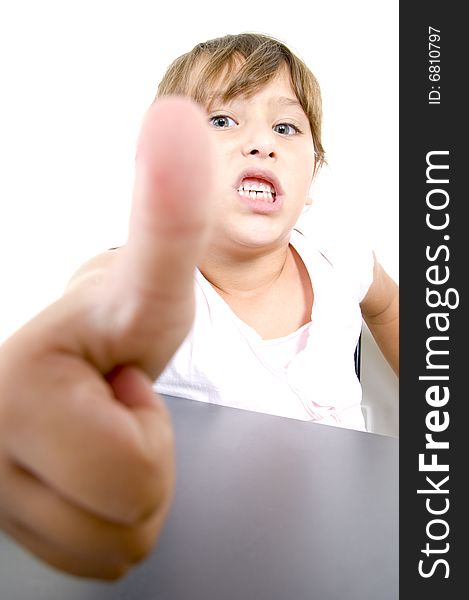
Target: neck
column 242, row 276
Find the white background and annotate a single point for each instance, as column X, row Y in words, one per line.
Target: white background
column 76, row 78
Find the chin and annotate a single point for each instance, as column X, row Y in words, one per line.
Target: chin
column 260, row 238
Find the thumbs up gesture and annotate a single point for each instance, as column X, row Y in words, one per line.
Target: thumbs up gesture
column 86, row 446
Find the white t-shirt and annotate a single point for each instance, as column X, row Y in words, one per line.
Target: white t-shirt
column 307, row 375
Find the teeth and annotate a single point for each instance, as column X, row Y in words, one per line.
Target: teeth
column 266, row 196
column 253, row 185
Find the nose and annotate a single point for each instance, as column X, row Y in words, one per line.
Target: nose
column 260, row 145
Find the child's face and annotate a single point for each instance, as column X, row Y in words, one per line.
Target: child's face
column 264, row 143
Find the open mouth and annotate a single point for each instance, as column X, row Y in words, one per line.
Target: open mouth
column 260, row 190
column 255, row 188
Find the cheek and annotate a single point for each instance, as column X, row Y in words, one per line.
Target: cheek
column 302, row 167
column 306, row 176
column 223, row 173
column 302, row 182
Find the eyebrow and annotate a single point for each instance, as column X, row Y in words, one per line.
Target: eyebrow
column 216, row 96
column 286, row 101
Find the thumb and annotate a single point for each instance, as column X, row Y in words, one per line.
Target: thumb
column 146, row 302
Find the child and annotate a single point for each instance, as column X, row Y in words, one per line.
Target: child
column 277, row 314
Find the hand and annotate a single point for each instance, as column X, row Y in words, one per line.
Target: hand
column 86, row 447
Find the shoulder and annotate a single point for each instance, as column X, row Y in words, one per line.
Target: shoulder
column 350, row 255
column 382, row 295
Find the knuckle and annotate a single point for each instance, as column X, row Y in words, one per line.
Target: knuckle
column 150, row 494
column 150, row 486
column 135, row 543
column 114, row 572
column 141, row 546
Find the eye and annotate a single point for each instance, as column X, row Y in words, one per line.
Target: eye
column 286, row 129
column 222, row 122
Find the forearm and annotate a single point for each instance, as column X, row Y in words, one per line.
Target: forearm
column 380, row 310
column 385, row 331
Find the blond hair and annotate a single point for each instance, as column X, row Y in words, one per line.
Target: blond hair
column 243, row 63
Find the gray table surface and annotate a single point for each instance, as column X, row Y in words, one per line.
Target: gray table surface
column 264, row 508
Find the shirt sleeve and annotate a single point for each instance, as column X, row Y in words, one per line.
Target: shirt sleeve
column 349, row 250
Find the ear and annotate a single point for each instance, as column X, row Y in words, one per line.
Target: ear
column 309, row 197
column 307, row 205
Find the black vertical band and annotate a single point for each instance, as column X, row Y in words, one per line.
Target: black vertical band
column 434, row 268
